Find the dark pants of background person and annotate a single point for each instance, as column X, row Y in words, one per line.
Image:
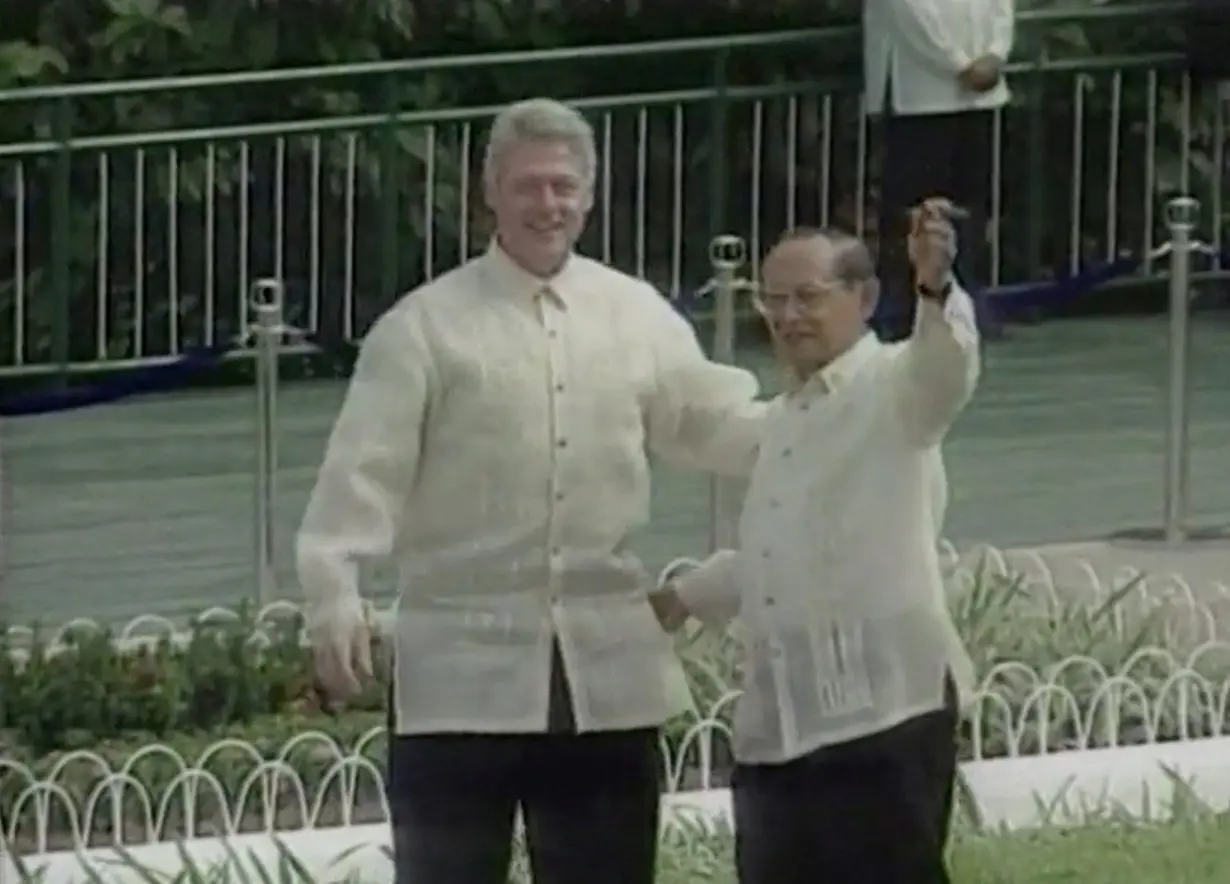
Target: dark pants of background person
column 590, row 802
column 927, row 155
column 871, row 811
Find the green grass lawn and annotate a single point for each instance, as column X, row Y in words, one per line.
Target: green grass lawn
column 1195, row 852
column 1184, row 853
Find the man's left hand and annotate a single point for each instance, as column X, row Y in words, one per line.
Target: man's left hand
column 668, row 608
column 932, row 243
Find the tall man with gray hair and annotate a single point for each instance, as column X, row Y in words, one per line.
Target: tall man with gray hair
column 493, row 442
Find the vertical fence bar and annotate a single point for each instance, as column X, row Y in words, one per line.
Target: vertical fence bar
column 389, row 190
column 267, row 308
column 1036, row 191
column 1181, row 213
column 61, row 239
column 719, row 120
column 726, row 254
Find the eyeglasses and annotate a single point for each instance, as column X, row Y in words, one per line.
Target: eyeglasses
column 804, row 300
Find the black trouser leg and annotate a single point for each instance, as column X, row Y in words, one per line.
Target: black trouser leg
column 454, row 799
column 872, row 811
column 591, row 813
column 928, row 155
column 590, row 802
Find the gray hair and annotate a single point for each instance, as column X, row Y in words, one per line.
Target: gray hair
column 852, row 261
column 541, row 119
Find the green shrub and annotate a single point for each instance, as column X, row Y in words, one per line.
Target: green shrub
column 1067, row 670
column 1028, row 641
column 223, row 674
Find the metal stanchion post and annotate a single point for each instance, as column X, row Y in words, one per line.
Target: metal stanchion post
column 266, row 304
column 727, row 254
column 1181, row 214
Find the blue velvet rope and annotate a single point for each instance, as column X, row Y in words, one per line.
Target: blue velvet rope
column 1022, row 297
column 161, row 378
column 116, row 386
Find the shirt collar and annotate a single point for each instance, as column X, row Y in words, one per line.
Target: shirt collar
column 514, row 279
column 844, row 367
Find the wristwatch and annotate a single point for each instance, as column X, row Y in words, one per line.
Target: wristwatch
column 939, row 295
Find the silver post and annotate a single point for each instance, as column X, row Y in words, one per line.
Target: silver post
column 1181, row 214
column 266, row 303
column 727, row 254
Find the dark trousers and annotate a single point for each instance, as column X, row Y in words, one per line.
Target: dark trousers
column 929, row 155
column 590, row 802
column 871, row 811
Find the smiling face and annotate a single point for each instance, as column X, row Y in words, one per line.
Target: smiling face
column 816, row 296
column 541, row 195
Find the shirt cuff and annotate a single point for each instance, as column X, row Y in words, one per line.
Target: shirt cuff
column 711, row 593
column 937, row 296
column 955, row 310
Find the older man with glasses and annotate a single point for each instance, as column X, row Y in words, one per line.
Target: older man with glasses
column 845, row 736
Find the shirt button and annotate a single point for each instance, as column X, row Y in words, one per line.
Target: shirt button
column 562, row 443
column 785, row 451
column 773, row 503
column 770, row 601
column 559, row 388
column 552, row 334
column 559, row 495
column 764, row 553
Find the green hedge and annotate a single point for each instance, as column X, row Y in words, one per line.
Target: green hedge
column 89, row 700
column 217, row 676
column 90, row 692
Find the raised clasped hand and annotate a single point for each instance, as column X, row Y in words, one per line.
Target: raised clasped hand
column 932, row 244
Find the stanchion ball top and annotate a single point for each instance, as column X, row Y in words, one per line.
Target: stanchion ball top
column 1182, row 211
column 727, row 251
column 265, row 293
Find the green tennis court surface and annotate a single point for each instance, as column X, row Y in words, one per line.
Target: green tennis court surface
column 146, row 507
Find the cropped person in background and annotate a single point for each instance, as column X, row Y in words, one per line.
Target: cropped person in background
column 493, row 443
column 845, row 738
column 1206, row 31
column 934, row 78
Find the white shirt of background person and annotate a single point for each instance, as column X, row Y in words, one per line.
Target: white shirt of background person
column 836, row 582
column 936, row 56
column 493, row 443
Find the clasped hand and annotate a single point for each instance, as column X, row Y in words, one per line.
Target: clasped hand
column 982, row 75
column 668, row 607
column 932, row 243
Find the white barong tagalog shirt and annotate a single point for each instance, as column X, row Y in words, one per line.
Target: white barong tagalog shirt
column 493, row 442
column 913, row 51
column 836, row 582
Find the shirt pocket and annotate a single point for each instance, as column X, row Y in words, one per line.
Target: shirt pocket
column 454, row 663
column 619, row 657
